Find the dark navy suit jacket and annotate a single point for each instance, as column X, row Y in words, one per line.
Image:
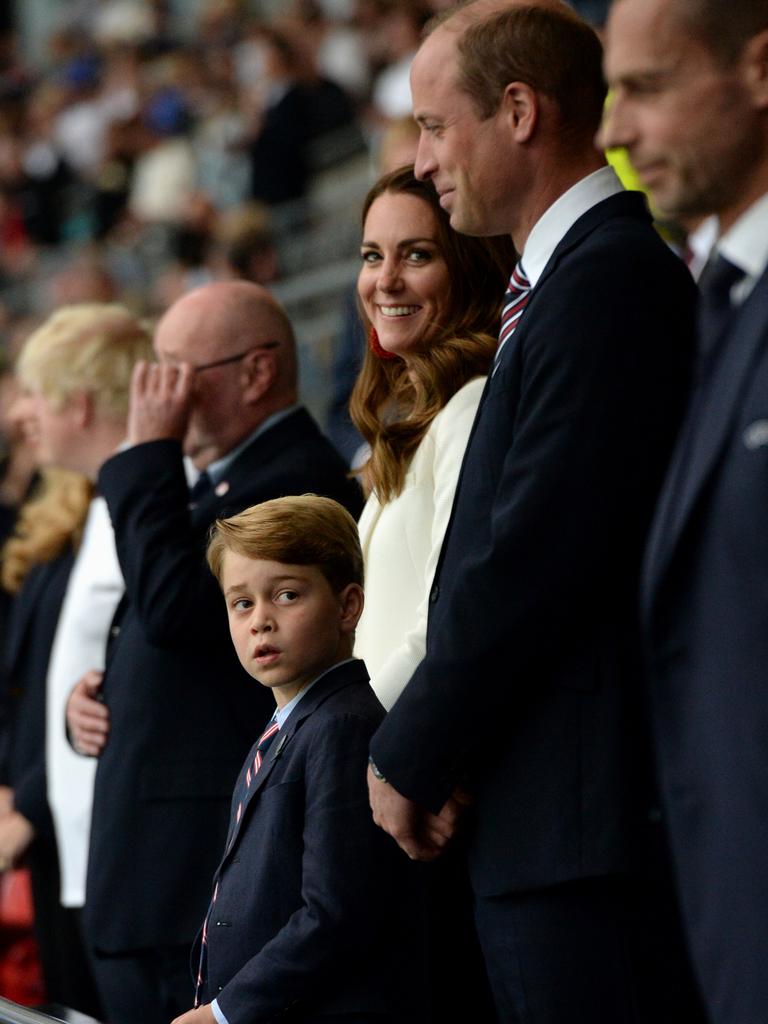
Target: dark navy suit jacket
column 183, row 711
column 705, row 610
column 531, row 684
column 310, row 890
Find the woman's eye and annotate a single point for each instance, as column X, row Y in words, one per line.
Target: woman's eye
column 419, row 256
column 369, row 256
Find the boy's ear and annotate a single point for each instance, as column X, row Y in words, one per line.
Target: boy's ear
column 351, row 600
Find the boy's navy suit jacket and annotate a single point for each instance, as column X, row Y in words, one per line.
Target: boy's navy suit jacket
column 309, row 887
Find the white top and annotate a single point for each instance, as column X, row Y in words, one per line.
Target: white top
column 401, row 543
column 745, row 244
column 95, row 586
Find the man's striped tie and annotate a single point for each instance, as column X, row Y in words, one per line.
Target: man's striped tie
column 515, row 300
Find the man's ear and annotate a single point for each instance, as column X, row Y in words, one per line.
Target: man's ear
column 351, row 600
column 755, row 63
column 260, row 371
column 520, row 106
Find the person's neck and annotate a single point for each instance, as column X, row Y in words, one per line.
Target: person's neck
column 551, row 181
column 755, row 189
column 101, row 443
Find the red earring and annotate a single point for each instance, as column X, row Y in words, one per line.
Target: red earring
column 375, row 346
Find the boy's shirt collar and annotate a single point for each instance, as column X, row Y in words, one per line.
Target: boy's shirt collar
column 281, row 715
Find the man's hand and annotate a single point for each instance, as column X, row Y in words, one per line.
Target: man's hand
column 202, row 1015
column 16, row 833
column 423, row 836
column 161, row 401
column 87, row 717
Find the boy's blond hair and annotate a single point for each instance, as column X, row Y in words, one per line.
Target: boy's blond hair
column 303, row 529
column 90, row 347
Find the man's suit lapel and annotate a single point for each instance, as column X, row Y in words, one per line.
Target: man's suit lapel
column 623, row 204
column 626, row 204
column 704, row 434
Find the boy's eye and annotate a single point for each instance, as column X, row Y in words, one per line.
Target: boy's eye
column 241, row 604
column 287, row 596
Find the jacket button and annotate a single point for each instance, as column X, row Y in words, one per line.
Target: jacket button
column 223, row 924
column 434, row 594
column 114, row 631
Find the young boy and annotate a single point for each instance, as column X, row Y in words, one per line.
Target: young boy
column 303, row 917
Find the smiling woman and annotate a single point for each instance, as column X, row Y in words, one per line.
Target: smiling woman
column 432, row 301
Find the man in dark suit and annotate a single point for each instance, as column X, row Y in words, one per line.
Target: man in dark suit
column 530, row 689
column 691, row 105
column 180, row 712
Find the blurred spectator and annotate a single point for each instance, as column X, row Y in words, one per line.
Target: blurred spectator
column 401, row 34
column 247, row 240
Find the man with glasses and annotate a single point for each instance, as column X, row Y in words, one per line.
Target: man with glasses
column 175, row 714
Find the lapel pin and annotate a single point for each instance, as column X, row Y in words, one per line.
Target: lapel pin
column 221, row 489
column 756, row 435
column 279, row 748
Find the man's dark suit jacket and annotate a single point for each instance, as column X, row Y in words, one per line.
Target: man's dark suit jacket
column 309, row 889
column 531, row 682
column 183, row 712
column 705, row 609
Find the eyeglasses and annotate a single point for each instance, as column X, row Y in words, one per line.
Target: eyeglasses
column 236, row 359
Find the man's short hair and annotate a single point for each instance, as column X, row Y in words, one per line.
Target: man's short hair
column 723, row 28
column 304, row 529
column 89, row 347
column 551, row 49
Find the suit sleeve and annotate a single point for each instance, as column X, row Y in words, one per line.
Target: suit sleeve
column 589, row 430
column 347, row 869
column 449, row 442
column 161, row 552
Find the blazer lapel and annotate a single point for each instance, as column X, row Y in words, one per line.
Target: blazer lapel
column 351, row 672
column 622, row 204
column 705, row 432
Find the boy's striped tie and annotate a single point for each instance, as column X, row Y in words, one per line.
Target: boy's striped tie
column 261, row 748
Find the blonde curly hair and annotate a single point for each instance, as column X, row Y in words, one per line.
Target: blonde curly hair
column 49, row 520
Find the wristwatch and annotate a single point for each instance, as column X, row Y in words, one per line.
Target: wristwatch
column 375, row 770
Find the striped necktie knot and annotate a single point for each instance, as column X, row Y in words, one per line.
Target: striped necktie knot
column 515, row 300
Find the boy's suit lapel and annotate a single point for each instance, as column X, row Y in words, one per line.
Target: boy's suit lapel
column 344, row 675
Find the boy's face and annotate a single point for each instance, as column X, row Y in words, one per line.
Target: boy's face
column 286, row 622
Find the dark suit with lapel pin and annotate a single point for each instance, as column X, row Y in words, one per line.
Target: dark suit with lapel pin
column 705, row 610
column 531, row 684
column 309, row 891
column 182, row 710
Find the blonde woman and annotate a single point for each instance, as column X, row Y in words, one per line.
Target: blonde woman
column 76, row 370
